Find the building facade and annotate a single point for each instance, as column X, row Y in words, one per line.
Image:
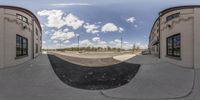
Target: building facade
column 20, row 36
column 175, row 36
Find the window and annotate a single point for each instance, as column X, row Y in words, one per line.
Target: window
column 174, row 45
column 36, row 31
column 40, row 48
column 22, row 18
column 172, row 16
column 21, row 46
column 36, row 47
column 40, row 38
column 157, row 30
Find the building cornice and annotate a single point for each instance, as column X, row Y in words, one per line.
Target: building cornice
column 163, row 12
column 25, row 11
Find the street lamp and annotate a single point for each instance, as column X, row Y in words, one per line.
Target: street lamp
column 121, row 43
column 78, row 39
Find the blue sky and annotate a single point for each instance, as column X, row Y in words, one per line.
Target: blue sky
column 96, row 22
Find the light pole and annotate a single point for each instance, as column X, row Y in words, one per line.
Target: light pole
column 78, row 38
column 121, row 44
column 60, row 44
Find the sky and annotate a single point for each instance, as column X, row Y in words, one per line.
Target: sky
column 97, row 23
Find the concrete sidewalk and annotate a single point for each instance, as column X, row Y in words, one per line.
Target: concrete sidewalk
column 156, row 79
column 36, row 80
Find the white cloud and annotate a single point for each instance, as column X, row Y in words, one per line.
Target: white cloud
column 73, row 21
column 71, row 4
column 117, row 41
column 42, row 25
column 47, row 32
column 85, row 43
column 109, row 27
column 54, row 17
column 131, row 20
column 66, row 41
column 101, row 44
column 66, row 30
column 57, row 19
column 96, row 39
column 91, row 28
column 60, row 35
column 55, row 41
column 136, row 26
column 97, row 42
column 52, row 30
column 77, row 35
column 121, row 29
column 142, row 46
column 117, row 44
column 43, row 42
column 125, row 42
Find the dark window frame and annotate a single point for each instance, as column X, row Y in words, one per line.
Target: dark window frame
column 36, row 31
column 175, row 42
column 36, row 48
column 23, row 18
column 21, row 46
column 170, row 17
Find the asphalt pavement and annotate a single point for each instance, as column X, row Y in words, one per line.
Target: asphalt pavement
column 93, row 78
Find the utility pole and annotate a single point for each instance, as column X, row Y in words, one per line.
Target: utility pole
column 47, row 48
column 121, row 43
column 60, row 44
column 78, row 37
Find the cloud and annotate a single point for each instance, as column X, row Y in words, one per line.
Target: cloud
column 73, row 21
column 54, row 17
column 91, row 28
column 131, row 20
column 77, row 35
column 55, row 41
column 66, row 41
column 42, row 25
column 71, row 4
column 66, row 30
column 60, row 35
column 136, row 26
column 117, row 41
column 97, row 42
column 109, row 27
column 43, row 42
column 117, row 44
column 85, row 43
column 47, row 32
column 142, row 46
column 52, row 30
column 57, row 19
column 121, row 29
column 96, row 39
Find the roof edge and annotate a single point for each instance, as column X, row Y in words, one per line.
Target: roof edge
column 177, row 8
column 25, row 11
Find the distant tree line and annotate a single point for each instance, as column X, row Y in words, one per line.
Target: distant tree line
column 97, row 49
column 136, row 49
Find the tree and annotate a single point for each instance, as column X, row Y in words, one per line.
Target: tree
column 134, row 47
column 138, row 48
column 108, row 48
